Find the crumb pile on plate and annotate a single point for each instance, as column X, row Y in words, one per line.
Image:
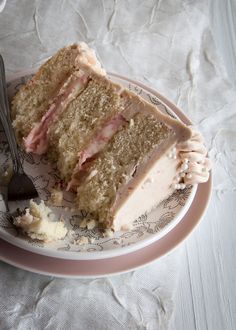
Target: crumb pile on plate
column 120, row 155
column 39, row 222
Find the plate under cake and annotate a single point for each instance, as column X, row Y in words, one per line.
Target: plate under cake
column 147, row 228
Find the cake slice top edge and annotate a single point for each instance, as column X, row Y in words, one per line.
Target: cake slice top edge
column 182, row 131
column 132, row 100
column 83, row 55
column 133, row 104
column 86, row 61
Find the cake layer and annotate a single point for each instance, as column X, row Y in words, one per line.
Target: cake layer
column 38, row 222
column 117, row 163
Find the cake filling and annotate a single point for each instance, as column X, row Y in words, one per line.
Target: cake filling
column 37, row 141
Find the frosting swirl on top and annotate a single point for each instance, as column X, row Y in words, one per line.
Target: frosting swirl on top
column 195, row 165
column 88, row 57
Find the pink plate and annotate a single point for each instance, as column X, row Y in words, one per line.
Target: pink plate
column 97, row 268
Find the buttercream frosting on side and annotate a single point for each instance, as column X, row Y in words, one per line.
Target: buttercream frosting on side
column 194, row 165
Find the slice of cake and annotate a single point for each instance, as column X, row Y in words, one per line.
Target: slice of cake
column 118, row 153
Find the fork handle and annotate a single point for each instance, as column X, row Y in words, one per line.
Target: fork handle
column 6, row 121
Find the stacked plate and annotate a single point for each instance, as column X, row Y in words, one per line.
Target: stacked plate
column 152, row 235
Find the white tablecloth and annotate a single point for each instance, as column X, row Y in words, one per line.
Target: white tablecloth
column 167, row 45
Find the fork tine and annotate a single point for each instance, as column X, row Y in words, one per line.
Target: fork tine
column 21, row 187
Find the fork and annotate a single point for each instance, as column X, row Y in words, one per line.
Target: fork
column 20, row 185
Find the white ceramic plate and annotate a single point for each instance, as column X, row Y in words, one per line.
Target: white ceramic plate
column 147, row 229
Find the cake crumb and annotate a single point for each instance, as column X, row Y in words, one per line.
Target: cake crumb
column 88, row 223
column 108, row 233
column 91, row 224
column 56, row 197
column 38, row 222
column 83, row 240
column 83, row 224
column 71, row 234
column 131, row 123
column 127, row 227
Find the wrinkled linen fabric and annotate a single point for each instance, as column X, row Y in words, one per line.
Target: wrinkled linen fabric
column 2, row 5
column 137, row 300
column 167, row 45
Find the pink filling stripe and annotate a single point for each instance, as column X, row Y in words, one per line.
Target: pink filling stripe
column 97, row 143
column 37, row 141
